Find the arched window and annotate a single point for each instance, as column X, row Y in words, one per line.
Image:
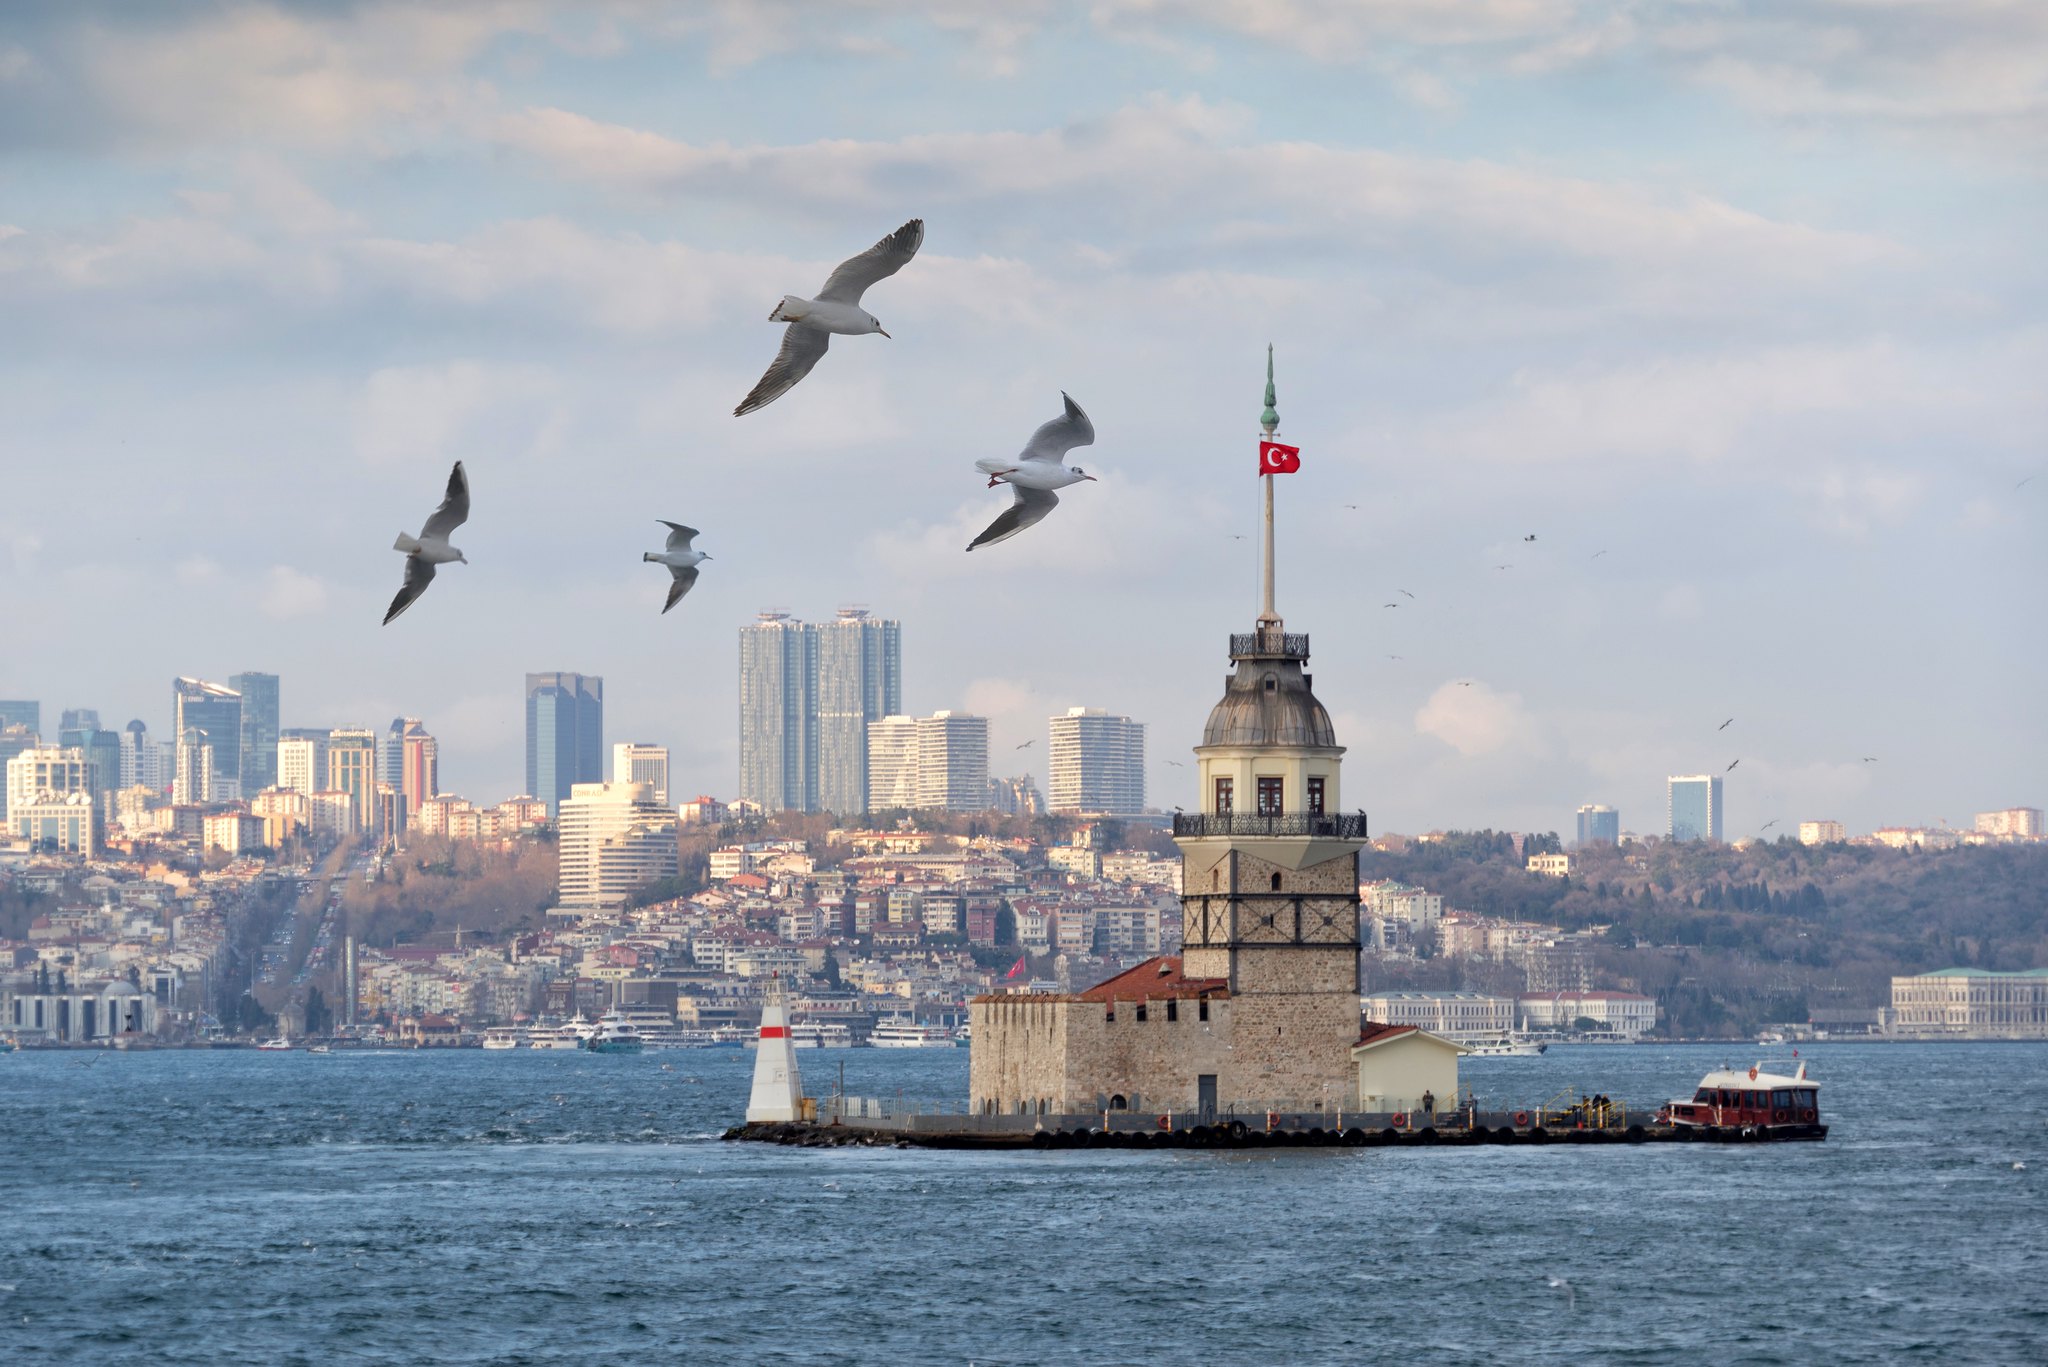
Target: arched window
column 1117, row 1102
column 1276, row 882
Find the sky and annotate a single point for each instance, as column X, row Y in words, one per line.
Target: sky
column 1736, row 308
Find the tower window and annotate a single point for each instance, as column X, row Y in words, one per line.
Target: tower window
column 1276, row 882
column 1269, row 796
column 1315, row 795
column 1173, row 1008
column 1141, row 1012
column 1226, row 793
column 1202, row 1009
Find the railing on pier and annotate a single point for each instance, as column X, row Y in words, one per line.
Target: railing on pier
column 1342, row 826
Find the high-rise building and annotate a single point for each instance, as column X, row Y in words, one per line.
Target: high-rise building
column 352, row 769
column 564, row 734
column 892, row 764
column 1097, row 763
column 1822, row 833
column 778, row 714
column 22, row 712
column 1599, row 825
column 14, row 739
column 302, row 760
column 259, row 730
column 952, row 762
column 1015, row 796
column 859, row 679
column 638, row 762
column 614, row 839
column 142, row 759
column 215, row 712
column 2020, row 823
column 44, row 770
column 77, row 719
column 192, row 780
column 420, row 767
column 1695, row 807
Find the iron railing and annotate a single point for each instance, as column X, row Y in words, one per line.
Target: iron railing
column 1197, row 825
column 1293, row 644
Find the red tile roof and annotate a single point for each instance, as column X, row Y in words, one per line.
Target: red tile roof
column 1155, row 979
column 1372, row 1032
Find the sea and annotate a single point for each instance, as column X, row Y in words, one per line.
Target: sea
column 184, row 1206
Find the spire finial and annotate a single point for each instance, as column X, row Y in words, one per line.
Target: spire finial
column 1270, row 419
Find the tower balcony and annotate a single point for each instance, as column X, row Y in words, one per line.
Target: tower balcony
column 1224, row 825
column 1269, row 644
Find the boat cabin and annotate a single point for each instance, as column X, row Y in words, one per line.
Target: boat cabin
column 1731, row 1098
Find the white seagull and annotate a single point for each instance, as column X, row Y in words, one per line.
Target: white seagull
column 1036, row 472
column 430, row 547
column 836, row 309
column 682, row 562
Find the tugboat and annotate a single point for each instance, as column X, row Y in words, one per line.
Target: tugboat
column 1755, row 1104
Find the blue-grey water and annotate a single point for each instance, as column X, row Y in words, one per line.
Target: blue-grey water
column 192, row 1207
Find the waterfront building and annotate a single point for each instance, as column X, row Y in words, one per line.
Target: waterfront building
column 1454, row 1015
column 1694, row 805
column 22, row 712
column 859, row 680
column 352, row 769
column 1096, row 763
column 259, row 731
column 1599, row 824
column 614, row 839
column 952, row 762
column 1822, row 833
column 88, row 1013
column 2015, row 823
column 1971, row 1003
column 214, row 711
column 564, row 734
column 638, row 762
column 302, row 761
column 778, row 714
column 1260, row 1011
column 1627, row 1014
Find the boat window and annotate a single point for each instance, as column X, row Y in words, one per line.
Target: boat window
column 1781, row 1098
column 1703, row 1097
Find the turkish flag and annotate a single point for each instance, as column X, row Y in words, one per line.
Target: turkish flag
column 1275, row 459
column 1015, row 969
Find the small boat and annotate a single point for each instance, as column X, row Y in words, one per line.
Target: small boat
column 901, row 1032
column 1501, row 1046
column 282, row 1042
column 319, row 1048
column 1756, row 1103
column 614, row 1035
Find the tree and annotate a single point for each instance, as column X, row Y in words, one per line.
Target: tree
column 1006, row 925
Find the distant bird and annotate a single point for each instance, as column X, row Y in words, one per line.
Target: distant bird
column 1027, row 744
column 1176, row 764
column 1395, row 657
column 1464, row 683
column 1870, row 759
column 1767, row 825
column 1390, row 605
column 2025, row 482
column 1530, row 537
column 681, row 559
column 1352, row 506
column 1036, row 472
column 1571, row 1298
column 836, row 309
column 2019, row 1167
column 1731, row 768
column 1503, row 567
column 1235, row 536
column 1596, row 555
column 1404, row 592
column 430, row 547
column 1725, row 725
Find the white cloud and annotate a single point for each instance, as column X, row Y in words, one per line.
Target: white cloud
column 1475, row 720
column 426, row 414
column 288, row 593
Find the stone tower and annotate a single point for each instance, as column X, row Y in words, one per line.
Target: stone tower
column 1269, row 868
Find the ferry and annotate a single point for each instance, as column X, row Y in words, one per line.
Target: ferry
column 1500, row 1046
column 567, row 1036
column 504, row 1037
column 614, row 1035
column 272, row 1045
column 816, row 1035
column 901, row 1032
column 1754, row 1102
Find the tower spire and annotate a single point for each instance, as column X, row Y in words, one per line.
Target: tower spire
column 1269, row 423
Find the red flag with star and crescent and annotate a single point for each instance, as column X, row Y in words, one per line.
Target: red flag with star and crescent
column 1275, row 459
column 1015, row 969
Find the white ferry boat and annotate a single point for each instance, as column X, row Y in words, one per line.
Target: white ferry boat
column 816, row 1035
column 504, row 1037
column 901, row 1032
column 1501, row 1046
column 566, row 1036
column 615, row 1035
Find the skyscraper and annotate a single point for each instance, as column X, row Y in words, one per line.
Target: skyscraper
column 141, row 759
column 21, row 712
column 77, row 719
column 259, row 730
column 302, row 760
column 192, row 781
column 638, row 762
column 215, row 712
column 778, row 715
column 15, row 739
column 420, row 767
column 614, row 839
column 1599, row 825
column 352, row 769
column 892, row 764
column 564, row 735
column 952, row 762
column 1097, row 763
column 859, row 663
column 1695, row 807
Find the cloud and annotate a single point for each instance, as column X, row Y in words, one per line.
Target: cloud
column 1475, row 720
column 287, row 593
column 432, row 413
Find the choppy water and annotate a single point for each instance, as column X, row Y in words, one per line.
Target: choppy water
column 183, row 1207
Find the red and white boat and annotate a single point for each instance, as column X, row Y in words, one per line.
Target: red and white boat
column 1756, row 1102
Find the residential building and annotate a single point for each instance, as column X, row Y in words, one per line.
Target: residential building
column 285, row 813
column 614, row 839
column 352, row 769
column 333, row 815
column 1695, row 808
column 858, row 662
column 1972, row 1003
column 952, row 762
column 2022, row 823
column 302, row 762
column 564, row 734
column 1016, row 796
column 192, row 783
column 1822, row 833
column 1552, row 865
column 892, row 764
column 1453, row 1015
column 778, row 714
column 1627, row 1014
column 1097, row 763
column 259, row 731
column 214, row 711
column 1599, row 824
column 638, row 762
column 22, row 712
column 419, row 770
column 142, row 759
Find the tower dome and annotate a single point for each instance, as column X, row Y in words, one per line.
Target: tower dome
column 1269, row 700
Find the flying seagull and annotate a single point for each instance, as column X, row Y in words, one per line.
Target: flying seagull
column 1027, row 744
column 1530, row 537
column 681, row 560
column 1393, row 657
column 1596, row 555
column 1503, row 567
column 2025, row 482
column 1767, row 825
column 1725, row 725
column 1464, row 683
column 1731, row 767
column 1390, row 605
column 1404, row 591
column 430, row 547
column 1176, row 764
column 836, row 309
column 1870, row 759
column 1036, row 472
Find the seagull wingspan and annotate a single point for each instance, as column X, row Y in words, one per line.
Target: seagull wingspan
column 801, row 348
column 879, row 262
column 685, row 580
column 418, row 574
column 1029, row 509
column 454, row 509
column 1054, row 439
column 678, row 535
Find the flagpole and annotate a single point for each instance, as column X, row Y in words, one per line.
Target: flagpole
column 1269, row 423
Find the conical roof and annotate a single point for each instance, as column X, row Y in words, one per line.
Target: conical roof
column 1268, row 699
